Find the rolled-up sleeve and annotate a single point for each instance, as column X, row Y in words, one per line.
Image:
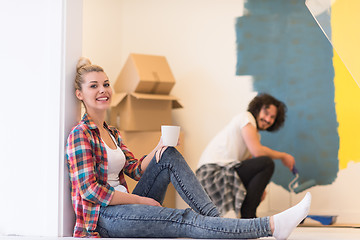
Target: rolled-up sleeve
column 132, row 166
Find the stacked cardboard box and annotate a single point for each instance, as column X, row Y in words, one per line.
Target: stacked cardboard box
column 141, row 101
column 141, row 104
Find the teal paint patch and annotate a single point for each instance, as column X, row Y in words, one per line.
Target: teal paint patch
column 282, row 47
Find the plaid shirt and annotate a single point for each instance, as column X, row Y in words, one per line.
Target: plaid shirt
column 223, row 185
column 87, row 163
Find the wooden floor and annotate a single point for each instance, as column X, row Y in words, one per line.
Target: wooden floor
column 324, row 233
column 300, row 233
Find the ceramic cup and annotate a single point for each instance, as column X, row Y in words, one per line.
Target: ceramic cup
column 170, row 135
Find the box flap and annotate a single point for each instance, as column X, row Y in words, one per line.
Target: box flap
column 175, row 102
column 152, row 96
column 117, row 98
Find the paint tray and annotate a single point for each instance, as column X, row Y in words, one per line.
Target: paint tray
column 323, row 219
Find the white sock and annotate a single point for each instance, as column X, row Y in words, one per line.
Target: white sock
column 286, row 221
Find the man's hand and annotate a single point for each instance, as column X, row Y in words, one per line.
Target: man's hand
column 288, row 161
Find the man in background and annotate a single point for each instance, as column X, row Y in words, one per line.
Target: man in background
column 235, row 167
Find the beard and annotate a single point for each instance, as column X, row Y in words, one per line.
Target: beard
column 263, row 124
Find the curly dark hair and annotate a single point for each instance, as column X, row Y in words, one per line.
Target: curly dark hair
column 264, row 99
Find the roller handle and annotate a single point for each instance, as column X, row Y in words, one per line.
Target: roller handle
column 295, row 171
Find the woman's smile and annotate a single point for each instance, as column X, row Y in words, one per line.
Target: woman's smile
column 96, row 92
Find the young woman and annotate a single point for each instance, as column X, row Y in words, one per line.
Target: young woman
column 98, row 159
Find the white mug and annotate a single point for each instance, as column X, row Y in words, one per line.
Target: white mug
column 170, row 135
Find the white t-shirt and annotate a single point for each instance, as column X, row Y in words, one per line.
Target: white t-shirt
column 116, row 161
column 228, row 145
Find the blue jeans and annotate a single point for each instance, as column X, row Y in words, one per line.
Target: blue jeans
column 200, row 221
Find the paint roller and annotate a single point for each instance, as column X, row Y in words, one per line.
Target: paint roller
column 294, row 184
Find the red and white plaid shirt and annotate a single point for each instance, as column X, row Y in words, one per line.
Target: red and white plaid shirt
column 88, row 167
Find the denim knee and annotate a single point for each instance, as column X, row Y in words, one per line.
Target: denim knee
column 172, row 154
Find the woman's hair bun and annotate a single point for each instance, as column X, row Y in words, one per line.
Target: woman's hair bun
column 83, row 61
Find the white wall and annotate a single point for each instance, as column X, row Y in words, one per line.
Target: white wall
column 35, row 73
column 70, row 106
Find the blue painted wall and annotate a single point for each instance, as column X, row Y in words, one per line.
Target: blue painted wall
column 282, row 47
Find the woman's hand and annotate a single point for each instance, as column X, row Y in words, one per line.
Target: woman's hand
column 148, row 201
column 150, row 156
column 161, row 148
column 120, row 198
column 160, row 143
column 159, row 153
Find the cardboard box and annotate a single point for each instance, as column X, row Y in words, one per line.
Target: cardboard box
column 145, row 74
column 141, row 112
column 142, row 143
